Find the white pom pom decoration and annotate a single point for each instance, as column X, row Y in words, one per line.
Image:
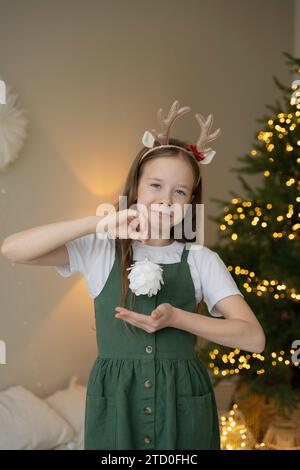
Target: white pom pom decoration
column 145, row 277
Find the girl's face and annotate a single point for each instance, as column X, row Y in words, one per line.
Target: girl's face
column 165, row 186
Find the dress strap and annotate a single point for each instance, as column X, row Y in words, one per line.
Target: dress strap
column 184, row 254
column 117, row 252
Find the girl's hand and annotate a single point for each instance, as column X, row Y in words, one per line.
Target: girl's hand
column 124, row 224
column 161, row 317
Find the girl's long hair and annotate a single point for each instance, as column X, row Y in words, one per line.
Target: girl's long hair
column 124, row 246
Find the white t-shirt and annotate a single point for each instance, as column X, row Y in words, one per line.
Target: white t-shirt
column 93, row 258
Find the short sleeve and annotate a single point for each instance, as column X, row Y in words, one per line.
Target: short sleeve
column 81, row 257
column 217, row 282
column 91, row 256
column 83, row 253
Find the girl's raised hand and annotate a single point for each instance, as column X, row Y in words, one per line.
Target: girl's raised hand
column 124, row 224
column 161, row 317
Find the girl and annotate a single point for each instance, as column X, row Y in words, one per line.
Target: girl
column 147, row 388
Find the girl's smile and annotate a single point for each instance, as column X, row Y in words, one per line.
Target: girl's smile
column 162, row 214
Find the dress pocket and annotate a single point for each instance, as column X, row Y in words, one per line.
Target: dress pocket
column 100, row 423
column 194, row 422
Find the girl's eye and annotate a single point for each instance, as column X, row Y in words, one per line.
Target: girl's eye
column 180, row 190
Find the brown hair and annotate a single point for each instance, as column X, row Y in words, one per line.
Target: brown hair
column 124, row 246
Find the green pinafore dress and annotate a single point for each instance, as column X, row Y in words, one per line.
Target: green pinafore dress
column 148, row 391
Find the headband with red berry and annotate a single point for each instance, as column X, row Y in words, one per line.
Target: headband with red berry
column 203, row 155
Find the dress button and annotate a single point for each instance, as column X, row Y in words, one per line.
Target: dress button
column 149, row 349
column 147, row 439
column 148, row 383
column 148, row 410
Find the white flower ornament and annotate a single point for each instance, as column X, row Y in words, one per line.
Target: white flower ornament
column 145, row 277
column 13, row 129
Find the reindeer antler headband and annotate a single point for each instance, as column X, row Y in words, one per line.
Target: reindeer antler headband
column 203, row 155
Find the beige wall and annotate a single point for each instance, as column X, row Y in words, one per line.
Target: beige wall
column 297, row 28
column 92, row 75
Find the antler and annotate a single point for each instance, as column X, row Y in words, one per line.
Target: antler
column 205, row 126
column 166, row 123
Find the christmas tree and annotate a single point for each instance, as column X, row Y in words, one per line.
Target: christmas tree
column 259, row 243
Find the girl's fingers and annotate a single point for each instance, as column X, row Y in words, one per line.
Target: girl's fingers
column 129, row 214
column 143, row 226
column 133, row 233
column 132, row 213
column 132, row 226
column 123, row 216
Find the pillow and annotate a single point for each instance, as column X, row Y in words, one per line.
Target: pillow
column 29, row 423
column 72, row 445
column 70, row 404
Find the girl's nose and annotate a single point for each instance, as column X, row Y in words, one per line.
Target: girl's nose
column 165, row 205
column 166, row 202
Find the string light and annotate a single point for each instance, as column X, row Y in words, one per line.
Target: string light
column 234, row 434
column 243, row 361
column 264, row 286
column 261, row 217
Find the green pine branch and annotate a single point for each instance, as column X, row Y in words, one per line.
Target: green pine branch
column 269, row 258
